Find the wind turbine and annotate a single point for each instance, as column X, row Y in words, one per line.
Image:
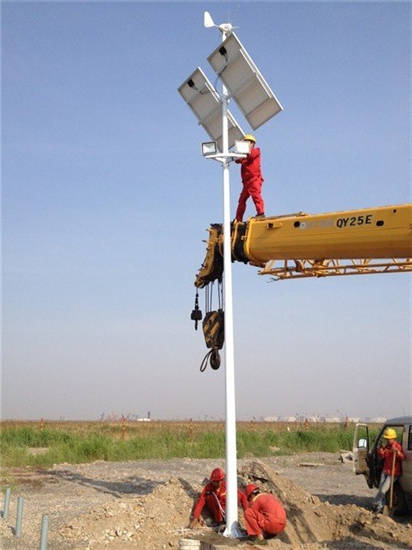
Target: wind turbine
column 223, row 27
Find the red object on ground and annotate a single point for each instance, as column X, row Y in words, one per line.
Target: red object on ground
column 265, row 514
column 215, row 499
column 387, row 454
column 252, row 183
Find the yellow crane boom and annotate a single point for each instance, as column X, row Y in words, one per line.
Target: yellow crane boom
column 353, row 242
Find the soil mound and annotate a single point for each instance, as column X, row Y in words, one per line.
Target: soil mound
column 155, row 521
column 158, row 520
column 313, row 521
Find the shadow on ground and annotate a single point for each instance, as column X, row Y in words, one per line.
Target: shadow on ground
column 363, row 502
column 350, row 543
column 132, row 485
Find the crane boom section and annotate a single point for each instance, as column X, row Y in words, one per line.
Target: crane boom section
column 367, row 234
column 383, row 232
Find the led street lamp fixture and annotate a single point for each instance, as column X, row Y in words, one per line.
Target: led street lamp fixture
column 241, row 147
column 209, row 148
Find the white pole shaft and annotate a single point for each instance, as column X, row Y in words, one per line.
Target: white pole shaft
column 232, row 528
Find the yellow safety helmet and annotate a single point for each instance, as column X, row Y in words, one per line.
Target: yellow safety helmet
column 249, row 137
column 390, row 433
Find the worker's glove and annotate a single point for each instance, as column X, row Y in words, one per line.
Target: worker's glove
column 194, row 522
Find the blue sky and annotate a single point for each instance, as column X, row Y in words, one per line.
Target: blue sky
column 106, row 200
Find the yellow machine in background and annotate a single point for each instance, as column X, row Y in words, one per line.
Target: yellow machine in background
column 355, row 242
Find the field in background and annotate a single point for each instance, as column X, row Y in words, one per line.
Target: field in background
column 44, row 443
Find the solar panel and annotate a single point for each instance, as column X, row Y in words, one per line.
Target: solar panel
column 244, row 81
column 203, row 99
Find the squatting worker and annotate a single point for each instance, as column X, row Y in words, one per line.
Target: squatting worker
column 214, row 497
column 265, row 516
column 387, row 453
column 252, row 180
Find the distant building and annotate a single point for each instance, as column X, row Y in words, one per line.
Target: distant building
column 377, row 420
column 317, row 419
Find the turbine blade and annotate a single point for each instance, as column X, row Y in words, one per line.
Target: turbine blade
column 207, row 20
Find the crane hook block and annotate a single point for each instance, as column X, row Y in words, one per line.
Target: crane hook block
column 213, row 329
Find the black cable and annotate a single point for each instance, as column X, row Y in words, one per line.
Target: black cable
column 203, row 364
column 213, row 357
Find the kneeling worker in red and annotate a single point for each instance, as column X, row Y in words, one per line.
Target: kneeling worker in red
column 265, row 516
column 252, row 180
column 214, row 497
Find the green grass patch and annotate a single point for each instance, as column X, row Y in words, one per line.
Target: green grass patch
column 100, row 442
column 31, row 437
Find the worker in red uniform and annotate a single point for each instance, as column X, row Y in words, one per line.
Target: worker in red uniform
column 392, row 455
column 252, row 180
column 265, row 517
column 214, row 497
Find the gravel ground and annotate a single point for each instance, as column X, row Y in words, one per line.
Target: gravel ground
column 68, row 492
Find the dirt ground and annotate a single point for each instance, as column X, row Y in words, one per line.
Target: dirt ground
column 146, row 505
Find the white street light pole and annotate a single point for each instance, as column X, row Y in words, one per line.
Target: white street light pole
column 204, row 101
column 232, row 526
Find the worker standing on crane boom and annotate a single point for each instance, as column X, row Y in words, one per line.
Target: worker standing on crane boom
column 252, row 180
